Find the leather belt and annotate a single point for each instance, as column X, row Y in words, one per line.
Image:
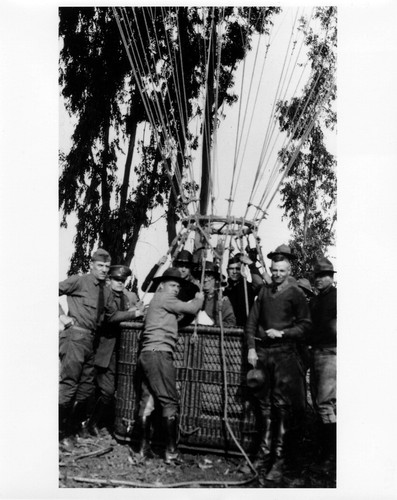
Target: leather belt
column 85, row 330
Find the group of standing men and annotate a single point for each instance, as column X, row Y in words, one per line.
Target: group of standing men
column 87, row 344
column 278, row 319
column 282, row 323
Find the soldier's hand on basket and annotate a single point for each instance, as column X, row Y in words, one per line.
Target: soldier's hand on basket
column 139, row 309
column 252, row 357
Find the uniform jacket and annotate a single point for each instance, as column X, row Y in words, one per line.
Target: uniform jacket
column 235, row 291
column 108, row 334
column 323, row 311
column 211, row 307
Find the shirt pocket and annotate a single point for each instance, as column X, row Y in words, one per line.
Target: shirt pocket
column 89, row 303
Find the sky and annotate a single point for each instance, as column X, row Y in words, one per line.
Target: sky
column 367, row 246
column 273, row 230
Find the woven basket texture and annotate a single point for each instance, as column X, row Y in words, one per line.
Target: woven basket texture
column 201, row 385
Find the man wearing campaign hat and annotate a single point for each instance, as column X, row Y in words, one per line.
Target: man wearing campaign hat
column 155, row 361
column 282, row 251
column 304, row 284
column 211, row 284
column 105, row 347
column 184, row 262
column 239, row 291
column 323, row 363
column 279, row 320
column 90, row 302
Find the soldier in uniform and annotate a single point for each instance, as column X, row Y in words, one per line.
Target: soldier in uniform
column 184, row 262
column 89, row 302
column 239, row 291
column 155, row 360
column 106, row 347
column 212, row 279
column 278, row 320
column 323, row 363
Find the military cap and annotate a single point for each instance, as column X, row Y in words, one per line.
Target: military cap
column 184, row 257
column 305, row 285
column 255, row 378
column 119, row 271
column 284, row 250
column 101, row 255
column 323, row 265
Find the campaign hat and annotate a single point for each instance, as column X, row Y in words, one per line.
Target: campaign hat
column 323, row 265
column 184, row 257
column 210, row 268
column 170, row 274
column 101, row 255
column 305, row 284
column 284, row 250
column 255, row 378
column 119, row 271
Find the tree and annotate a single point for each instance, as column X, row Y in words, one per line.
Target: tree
column 309, row 190
column 102, row 92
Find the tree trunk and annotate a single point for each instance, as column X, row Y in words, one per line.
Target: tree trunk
column 207, row 129
column 127, row 169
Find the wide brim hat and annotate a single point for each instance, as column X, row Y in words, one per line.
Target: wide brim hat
column 170, row 274
column 284, row 250
column 323, row 265
column 184, row 257
column 255, row 378
column 305, row 284
column 119, row 271
column 210, row 268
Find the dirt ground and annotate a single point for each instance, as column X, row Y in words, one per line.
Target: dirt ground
column 102, row 462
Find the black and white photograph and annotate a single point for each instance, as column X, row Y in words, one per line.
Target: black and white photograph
column 219, row 209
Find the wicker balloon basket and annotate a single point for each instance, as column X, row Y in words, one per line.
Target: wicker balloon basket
column 214, row 398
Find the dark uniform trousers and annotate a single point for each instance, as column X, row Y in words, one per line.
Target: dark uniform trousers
column 158, row 381
column 77, row 370
column 284, row 386
column 106, row 379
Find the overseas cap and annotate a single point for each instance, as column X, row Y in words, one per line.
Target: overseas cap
column 119, row 271
column 101, row 255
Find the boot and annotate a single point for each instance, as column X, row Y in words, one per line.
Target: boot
column 266, row 443
column 100, row 417
column 262, row 462
column 144, row 445
column 65, row 428
column 277, row 469
column 80, row 419
column 327, row 460
column 171, row 452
